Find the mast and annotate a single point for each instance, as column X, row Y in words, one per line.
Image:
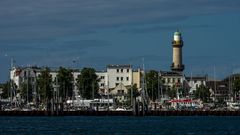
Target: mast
column 108, row 91
column 143, row 90
column 158, row 86
column 214, row 82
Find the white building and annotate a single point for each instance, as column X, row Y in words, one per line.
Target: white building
column 119, row 74
column 103, row 82
column 172, row 79
column 109, row 79
column 195, row 82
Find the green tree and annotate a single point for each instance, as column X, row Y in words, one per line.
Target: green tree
column 87, row 83
column 5, row 87
column 202, row 93
column 26, row 91
column 44, row 85
column 236, row 87
column 135, row 93
column 172, row 92
column 65, row 81
column 152, row 79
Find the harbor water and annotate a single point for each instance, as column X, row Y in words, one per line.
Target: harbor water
column 104, row 125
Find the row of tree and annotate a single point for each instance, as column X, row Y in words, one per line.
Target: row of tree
column 42, row 89
column 87, row 86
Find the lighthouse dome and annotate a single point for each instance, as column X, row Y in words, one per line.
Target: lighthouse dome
column 177, row 36
column 177, row 33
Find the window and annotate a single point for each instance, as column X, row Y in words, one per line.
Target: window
column 102, row 77
column 121, row 78
column 169, row 80
column 117, row 78
column 116, row 84
column 127, row 70
column 120, row 92
column 178, row 80
column 102, row 84
column 121, row 70
column 127, row 78
column 163, row 80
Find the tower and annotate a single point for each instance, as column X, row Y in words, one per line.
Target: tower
column 177, row 44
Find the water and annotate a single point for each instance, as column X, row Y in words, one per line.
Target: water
column 121, row 125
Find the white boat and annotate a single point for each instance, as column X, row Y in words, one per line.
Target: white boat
column 121, row 109
column 233, row 105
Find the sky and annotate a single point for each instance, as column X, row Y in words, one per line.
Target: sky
column 95, row 33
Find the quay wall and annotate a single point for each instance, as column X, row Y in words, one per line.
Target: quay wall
column 119, row 113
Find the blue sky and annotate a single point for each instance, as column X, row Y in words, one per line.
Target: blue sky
column 96, row 33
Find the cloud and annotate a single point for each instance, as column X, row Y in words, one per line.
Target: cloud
column 154, row 28
column 50, row 20
column 29, row 19
column 56, row 31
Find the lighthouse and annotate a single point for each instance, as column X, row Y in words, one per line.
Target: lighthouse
column 177, row 45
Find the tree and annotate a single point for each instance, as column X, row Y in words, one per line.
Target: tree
column 26, row 91
column 202, row 93
column 134, row 91
column 87, row 83
column 152, row 79
column 172, row 92
column 236, row 86
column 44, row 85
column 5, row 87
column 65, row 81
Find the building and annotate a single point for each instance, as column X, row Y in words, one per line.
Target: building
column 177, row 43
column 195, row 82
column 119, row 74
column 172, row 79
column 219, row 90
column 108, row 80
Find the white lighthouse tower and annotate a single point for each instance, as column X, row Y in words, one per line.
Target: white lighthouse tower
column 177, row 44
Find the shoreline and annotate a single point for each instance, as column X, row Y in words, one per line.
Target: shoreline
column 119, row 113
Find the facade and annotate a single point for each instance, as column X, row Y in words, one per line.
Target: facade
column 171, row 79
column 137, row 74
column 223, row 90
column 108, row 80
column 195, row 82
column 119, row 92
column 103, row 82
column 219, row 90
column 177, row 43
column 119, row 74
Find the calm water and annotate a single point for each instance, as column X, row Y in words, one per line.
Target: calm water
column 121, row 125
